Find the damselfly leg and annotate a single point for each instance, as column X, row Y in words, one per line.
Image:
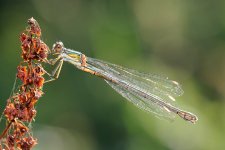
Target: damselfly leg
column 55, row 73
column 149, row 92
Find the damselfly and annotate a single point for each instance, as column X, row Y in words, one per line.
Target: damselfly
column 150, row 92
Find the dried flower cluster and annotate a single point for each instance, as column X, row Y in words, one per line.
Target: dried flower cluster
column 20, row 109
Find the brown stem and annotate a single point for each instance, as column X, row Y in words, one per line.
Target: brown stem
column 5, row 130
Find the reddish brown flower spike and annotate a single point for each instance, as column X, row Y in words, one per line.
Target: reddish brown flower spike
column 34, row 27
column 23, row 115
column 37, row 94
column 39, row 81
column 32, row 113
column 22, row 73
column 23, row 37
column 11, row 141
column 39, row 71
column 21, row 128
column 10, row 111
column 25, row 43
column 20, row 108
column 23, row 97
column 27, row 143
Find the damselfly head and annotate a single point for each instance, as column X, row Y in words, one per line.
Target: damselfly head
column 57, row 48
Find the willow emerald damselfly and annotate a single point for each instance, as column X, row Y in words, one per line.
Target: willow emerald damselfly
column 150, row 92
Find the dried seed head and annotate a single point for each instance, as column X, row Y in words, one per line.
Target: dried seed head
column 21, row 128
column 34, row 27
column 10, row 141
column 10, row 111
column 22, row 73
column 20, row 108
column 27, row 143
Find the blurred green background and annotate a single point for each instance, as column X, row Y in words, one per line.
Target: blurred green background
column 184, row 40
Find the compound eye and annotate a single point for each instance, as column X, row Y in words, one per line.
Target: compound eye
column 57, row 47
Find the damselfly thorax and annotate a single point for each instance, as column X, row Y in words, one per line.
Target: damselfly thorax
column 150, row 92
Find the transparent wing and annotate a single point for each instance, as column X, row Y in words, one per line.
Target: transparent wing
column 158, row 85
column 150, row 92
column 142, row 103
